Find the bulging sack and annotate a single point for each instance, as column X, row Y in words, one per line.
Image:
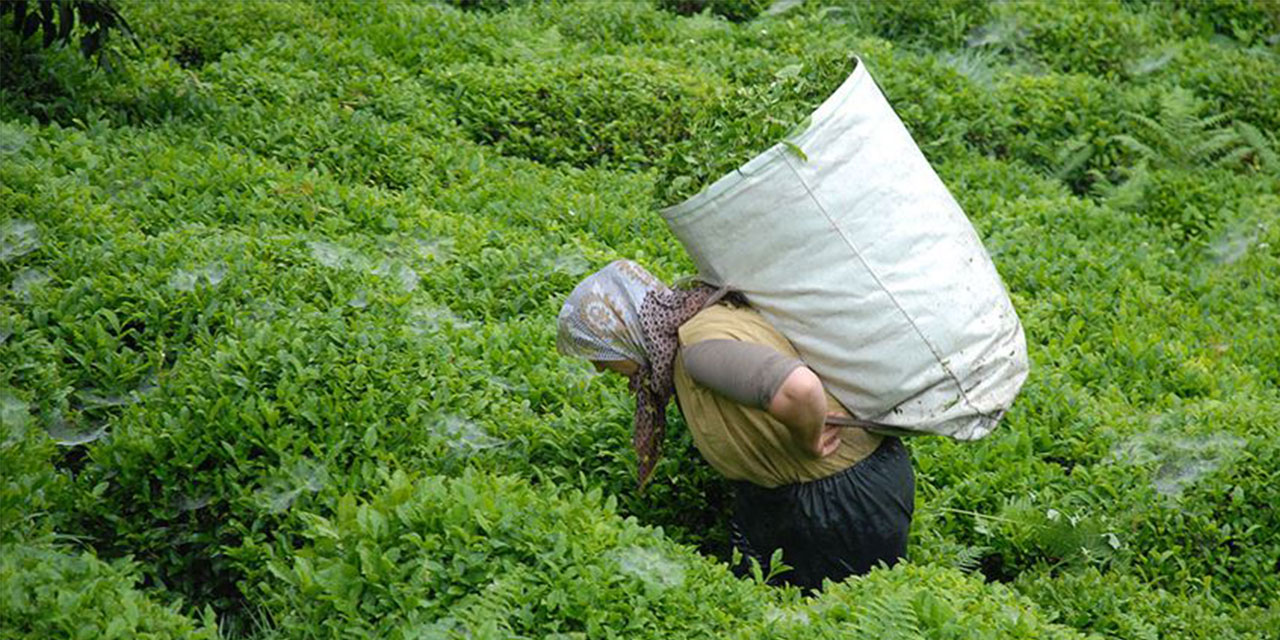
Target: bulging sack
column 848, row 242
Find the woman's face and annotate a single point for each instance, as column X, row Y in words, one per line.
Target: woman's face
column 624, row 367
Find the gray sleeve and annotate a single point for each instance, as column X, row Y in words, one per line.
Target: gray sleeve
column 749, row 374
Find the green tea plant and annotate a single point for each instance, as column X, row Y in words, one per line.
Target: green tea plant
column 1242, row 20
column 54, row 592
column 1237, row 80
column 481, row 556
column 930, row 25
column 734, row 10
column 1120, row 606
column 278, row 298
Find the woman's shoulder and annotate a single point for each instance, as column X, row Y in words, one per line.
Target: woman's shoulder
column 727, row 321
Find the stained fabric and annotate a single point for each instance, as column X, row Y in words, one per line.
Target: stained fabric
column 830, row 528
column 861, row 256
column 623, row 312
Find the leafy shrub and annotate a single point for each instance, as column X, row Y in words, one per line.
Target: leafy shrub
column 229, row 467
column 983, row 183
column 32, row 78
column 929, row 602
column 1178, row 136
column 600, row 111
column 51, row 593
column 195, row 33
column 1120, row 606
column 1065, row 124
column 29, row 487
column 482, row 5
column 481, row 556
column 191, row 300
column 471, row 552
column 1240, row 82
column 609, row 27
column 935, row 25
column 245, row 293
column 1249, row 21
column 1209, row 504
column 430, row 36
column 733, row 10
column 62, row 88
column 1096, row 38
column 368, row 123
column 1182, row 177
column 1190, row 203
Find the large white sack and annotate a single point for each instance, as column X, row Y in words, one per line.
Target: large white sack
column 860, row 256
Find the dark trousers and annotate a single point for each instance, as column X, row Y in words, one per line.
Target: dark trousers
column 833, row 527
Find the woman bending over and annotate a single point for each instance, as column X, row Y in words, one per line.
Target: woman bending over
column 836, row 500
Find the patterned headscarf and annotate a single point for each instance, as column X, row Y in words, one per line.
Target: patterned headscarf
column 623, row 312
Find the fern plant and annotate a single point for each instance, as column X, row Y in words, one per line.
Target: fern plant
column 1174, row 149
column 1258, row 148
column 1030, row 533
column 891, row 617
column 1180, row 138
column 1127, row 194
column 968, row 558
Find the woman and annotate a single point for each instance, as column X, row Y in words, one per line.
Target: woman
column 837, row 501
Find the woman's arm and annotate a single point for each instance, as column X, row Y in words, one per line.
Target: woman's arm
column 801, row 403
column 758, row 376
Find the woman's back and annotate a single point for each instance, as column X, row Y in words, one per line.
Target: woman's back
column 746, row 443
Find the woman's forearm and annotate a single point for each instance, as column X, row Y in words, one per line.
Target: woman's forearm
column 801, row 404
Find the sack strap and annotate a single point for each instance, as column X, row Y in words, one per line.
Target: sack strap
column 875, row 427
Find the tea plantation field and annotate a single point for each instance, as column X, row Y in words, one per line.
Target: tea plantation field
column 278, row 298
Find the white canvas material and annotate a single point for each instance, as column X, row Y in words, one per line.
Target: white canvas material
column 850, row 244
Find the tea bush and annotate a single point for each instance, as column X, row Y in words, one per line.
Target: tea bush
column 49, row 592
column 613, row 27
column 1096, row 42
column 1239, row 81
column 734, row 10
column 419, row 36
column 277, row 306
column 569, row 113
column 481, row 556
column 29, row 489
column 1065, row 124
column 1121, row 606
column 1242, row 20
column 195, row 34
column 930, row 25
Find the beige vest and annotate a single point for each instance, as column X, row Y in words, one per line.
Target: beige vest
column 745, row 443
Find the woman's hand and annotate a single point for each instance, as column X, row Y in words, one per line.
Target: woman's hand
column 829, row 439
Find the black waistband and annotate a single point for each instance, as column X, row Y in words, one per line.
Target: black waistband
column 889, row 449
